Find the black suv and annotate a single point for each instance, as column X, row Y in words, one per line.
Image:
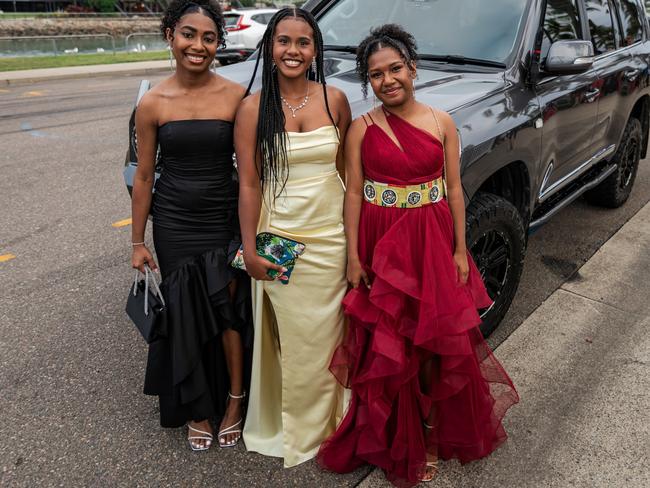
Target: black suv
column 550, row 97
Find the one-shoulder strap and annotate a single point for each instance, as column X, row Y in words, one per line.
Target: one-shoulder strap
column 440, row 133
column 442, row 140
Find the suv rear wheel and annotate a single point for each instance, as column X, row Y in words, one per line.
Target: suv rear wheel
column 615, row 190
column 497, row 240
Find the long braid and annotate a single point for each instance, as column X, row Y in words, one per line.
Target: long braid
column 271, row 133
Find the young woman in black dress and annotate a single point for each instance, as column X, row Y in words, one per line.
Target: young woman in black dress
column 197, row 367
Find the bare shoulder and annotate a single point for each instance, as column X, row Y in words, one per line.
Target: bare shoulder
column 248, row 108
column 232, row 87
column 357, row 129
column 336, row 94
column 149, row 104
column 444, row 118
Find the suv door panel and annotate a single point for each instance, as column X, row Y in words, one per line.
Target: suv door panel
column 568, row 102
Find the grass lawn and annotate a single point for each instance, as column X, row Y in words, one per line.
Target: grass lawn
column 34, row 62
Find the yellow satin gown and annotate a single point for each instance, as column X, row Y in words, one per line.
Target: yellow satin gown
column 295, row 402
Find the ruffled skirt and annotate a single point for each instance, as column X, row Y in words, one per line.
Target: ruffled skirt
column 416, row 316
column 186, row 367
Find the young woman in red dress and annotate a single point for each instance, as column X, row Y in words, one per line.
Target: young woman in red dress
column 424, row 383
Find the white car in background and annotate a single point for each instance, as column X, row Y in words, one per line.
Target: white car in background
column 245, row 28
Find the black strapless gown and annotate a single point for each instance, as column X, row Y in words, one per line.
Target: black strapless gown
column 196, row 235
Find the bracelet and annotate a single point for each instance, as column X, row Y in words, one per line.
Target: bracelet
column 137, row 243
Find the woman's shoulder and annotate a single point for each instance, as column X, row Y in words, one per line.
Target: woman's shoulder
column 336, row 95
column 358, row 127
column 248, row 109
column 229, row 86
column 441, row 116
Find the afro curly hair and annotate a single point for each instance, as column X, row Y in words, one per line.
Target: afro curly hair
column 209, row 8
column 387, row 35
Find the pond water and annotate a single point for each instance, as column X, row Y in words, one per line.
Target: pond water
column 17, row 47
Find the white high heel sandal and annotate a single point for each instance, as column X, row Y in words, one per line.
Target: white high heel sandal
column 233, row 429
column 205, row 436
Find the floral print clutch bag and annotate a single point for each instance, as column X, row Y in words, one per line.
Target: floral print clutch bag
column 277, row 249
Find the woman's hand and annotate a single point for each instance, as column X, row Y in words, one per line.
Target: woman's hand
column 141, row 256
column 258, row 267
column 356, row 274
column 462, row 266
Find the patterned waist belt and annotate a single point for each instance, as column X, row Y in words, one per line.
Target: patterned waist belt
column 403, row 196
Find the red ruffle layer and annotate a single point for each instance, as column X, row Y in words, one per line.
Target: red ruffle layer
column 416, row 311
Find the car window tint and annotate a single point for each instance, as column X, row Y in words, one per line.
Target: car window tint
column 561, row 22
column 231, row 19
column 601, row 25
column 259, row 18
column 632, row 29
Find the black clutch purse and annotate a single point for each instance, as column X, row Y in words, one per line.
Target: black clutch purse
column 145, row 304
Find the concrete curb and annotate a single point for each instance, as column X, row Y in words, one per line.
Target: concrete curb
column 12, row 78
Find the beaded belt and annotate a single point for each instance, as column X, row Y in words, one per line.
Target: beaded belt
column 403, row 196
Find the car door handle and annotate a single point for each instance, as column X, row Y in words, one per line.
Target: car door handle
column 631, row 75
column 591, row 95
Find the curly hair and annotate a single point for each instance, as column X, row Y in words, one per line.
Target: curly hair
column 209, row 8
column 387, row 35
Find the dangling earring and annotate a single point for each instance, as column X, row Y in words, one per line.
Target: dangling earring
column 171, row 57
column 273, row 66
column 314, row 66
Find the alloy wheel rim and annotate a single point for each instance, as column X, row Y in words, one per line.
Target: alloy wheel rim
column 492, row 255
column 627, row 163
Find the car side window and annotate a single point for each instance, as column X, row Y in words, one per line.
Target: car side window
column 259, row 18
column 630, row 21
column 601, row 25
column 561, row 22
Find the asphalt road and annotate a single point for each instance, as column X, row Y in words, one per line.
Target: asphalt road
column 71, row 363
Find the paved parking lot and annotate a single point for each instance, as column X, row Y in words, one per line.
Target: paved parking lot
column 71, row 364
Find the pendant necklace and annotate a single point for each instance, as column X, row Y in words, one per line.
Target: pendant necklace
column 295, row 109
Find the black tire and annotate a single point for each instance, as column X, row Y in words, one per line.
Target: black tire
column 496, row 239
column 615, row 190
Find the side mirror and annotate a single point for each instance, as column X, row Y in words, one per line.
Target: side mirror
column 569, row 57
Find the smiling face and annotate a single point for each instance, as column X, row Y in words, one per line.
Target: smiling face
column 293, row 47
column 391, row 78
column 194, row 41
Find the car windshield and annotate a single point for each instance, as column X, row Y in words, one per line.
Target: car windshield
column 469, row 28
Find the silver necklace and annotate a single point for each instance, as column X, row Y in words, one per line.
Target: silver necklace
column 295, row 109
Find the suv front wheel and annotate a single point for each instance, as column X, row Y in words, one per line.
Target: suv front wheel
column 497, row 241
column 615, row 189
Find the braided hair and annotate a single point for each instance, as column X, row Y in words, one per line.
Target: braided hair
column 387, row 35
column 209, row 8
column 271, row 135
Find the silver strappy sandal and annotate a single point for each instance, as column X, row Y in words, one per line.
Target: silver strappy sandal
column 205, row 436
column 233, row 429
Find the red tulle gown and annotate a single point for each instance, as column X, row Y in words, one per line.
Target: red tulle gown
column 417, row 313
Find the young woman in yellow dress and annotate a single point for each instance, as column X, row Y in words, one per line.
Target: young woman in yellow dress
column 288, row 138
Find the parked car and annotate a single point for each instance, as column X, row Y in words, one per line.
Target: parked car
column 551, row 99
column 245, row 28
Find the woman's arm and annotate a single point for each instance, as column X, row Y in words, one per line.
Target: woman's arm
column 353, row 201
column 455, row 193
column 343, row 123
column 146, row 126
column 250, row 191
